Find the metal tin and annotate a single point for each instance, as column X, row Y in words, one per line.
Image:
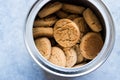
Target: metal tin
column 109, row 32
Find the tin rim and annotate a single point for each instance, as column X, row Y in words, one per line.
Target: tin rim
column 72, row 72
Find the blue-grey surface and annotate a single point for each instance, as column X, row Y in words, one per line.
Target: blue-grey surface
column 17, row 64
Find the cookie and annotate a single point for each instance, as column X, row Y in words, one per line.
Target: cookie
column 83, row 28
column 66, row 33
column 80, row 58
column 92, row 20
column 45, row 22
column 42, row 31
column 71, row 57
column 44, row 46
column 79, row 65
column 58, row 57
column 73, row 8
column 62, row 14
column 50, row 9
column 81, row 24
column 72, row 16
column 61, row 22
column 91, row 44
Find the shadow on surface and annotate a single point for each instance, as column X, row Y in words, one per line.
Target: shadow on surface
column 49, row 76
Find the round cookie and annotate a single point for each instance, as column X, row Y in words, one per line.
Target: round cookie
column 79, row 65
column 73, row 8
column 45, row 22
column 42, row 31
column 72, row 16
column 44, row 46
column 71, row 57
column 81, row 24
column 50, row 9
column 91, row 44
column 80, row 57
column 61, row 14
column 92, row 20
column 83, row 28
column 61, row 22
column 58, row 57
column 66, row 33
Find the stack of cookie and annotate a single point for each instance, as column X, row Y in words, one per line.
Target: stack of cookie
column 67, row 35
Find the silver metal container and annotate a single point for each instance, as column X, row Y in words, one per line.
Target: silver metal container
column 106, row 20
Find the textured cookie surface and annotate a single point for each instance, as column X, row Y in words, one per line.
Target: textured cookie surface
column 50, row 9
column 58, row 57
column 71, row 57
column 45, row 22
column 72, row 16
column 44, row 46
column 91, row 45
column 42, row 31
column 66, row 33
column 92, row 20
column 61, row 14
column 81, row 24
column 83, row 28
column 80, row 57
column 79, row 65
column 73, row 8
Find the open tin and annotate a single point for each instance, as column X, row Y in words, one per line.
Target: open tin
column 108, row 33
